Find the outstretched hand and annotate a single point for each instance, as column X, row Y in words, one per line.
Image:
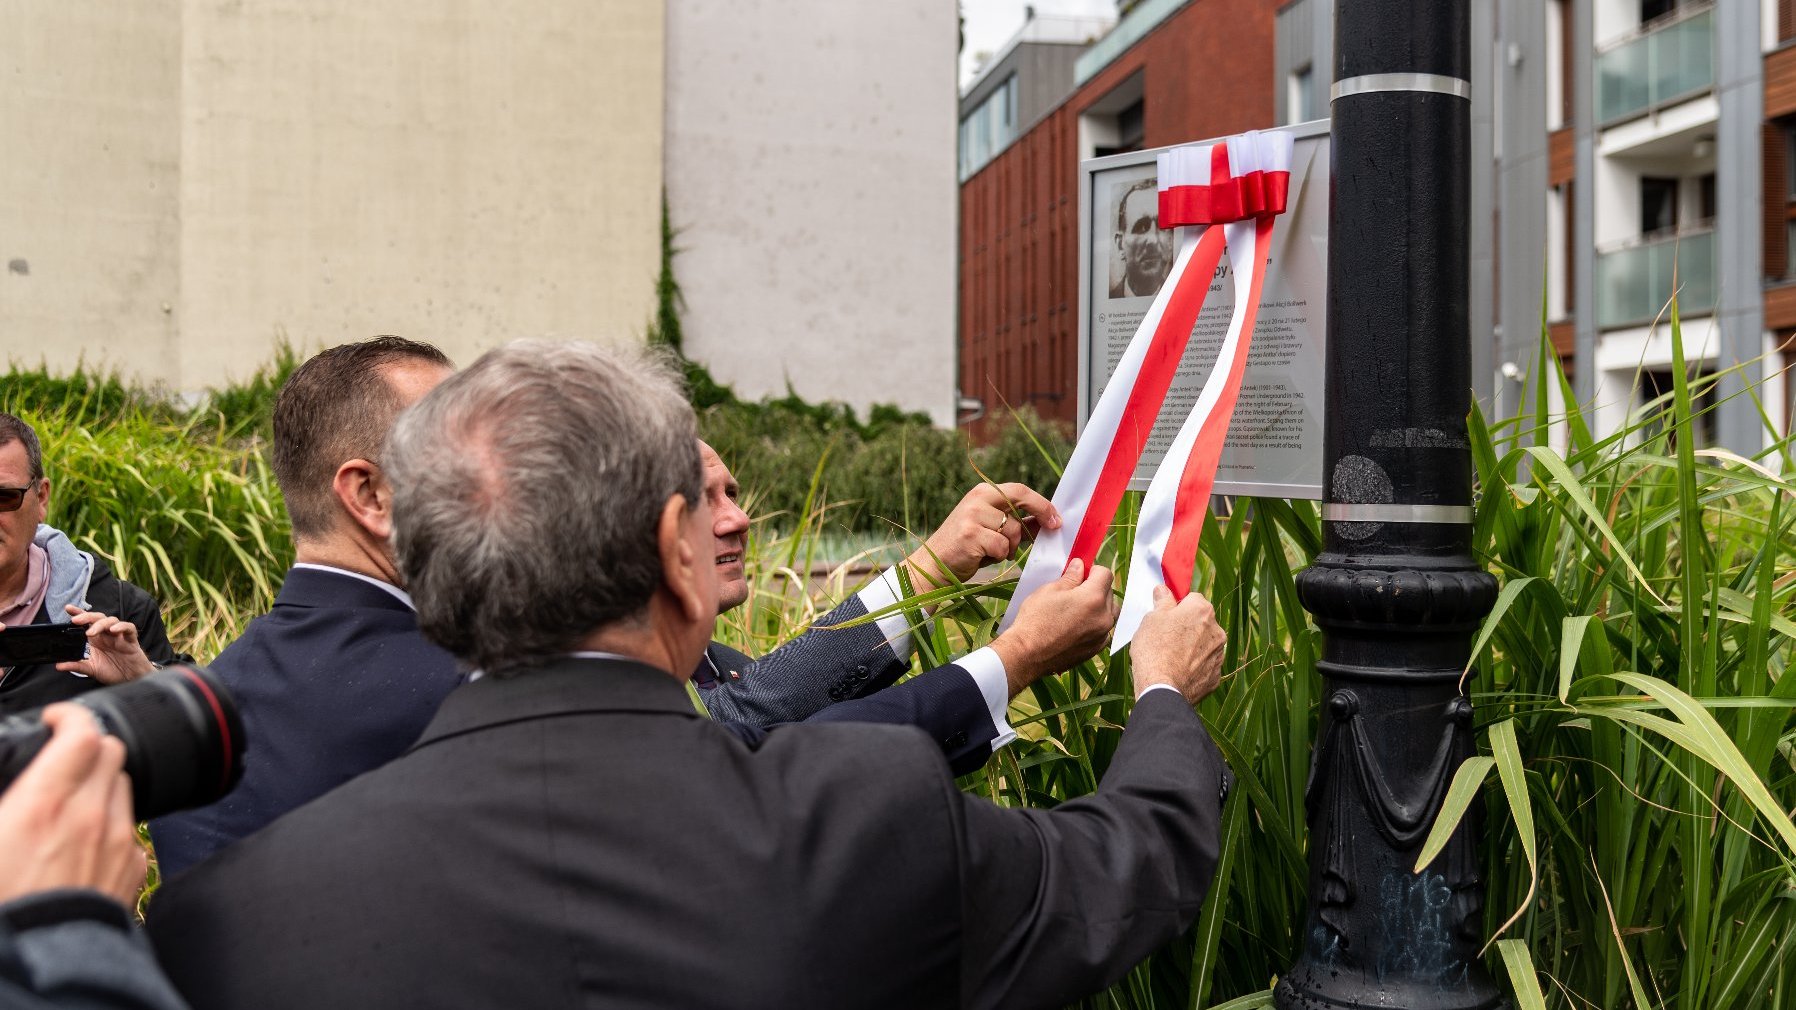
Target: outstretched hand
column 1060, row 625
column 988, row 525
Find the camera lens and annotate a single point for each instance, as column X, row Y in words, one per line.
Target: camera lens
column 182, row 733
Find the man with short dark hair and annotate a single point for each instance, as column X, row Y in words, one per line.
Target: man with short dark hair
column 46, row 579
column 335, row 679
column 570, row 832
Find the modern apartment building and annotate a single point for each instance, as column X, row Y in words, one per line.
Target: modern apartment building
column 1621, row 148
column 1169, row 72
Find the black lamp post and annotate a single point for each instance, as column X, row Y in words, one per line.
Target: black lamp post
column 1395, row 590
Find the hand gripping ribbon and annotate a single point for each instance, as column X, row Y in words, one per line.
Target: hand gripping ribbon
column 1212, row 196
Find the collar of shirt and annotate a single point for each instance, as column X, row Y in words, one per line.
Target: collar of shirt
column 474, row 675
column 37, row 584
column 397, row 593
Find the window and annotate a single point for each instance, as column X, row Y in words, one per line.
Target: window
column 1705, row 207
column 1650, row 9
column 1658, row 205
column 1790, row 162
column 1300, row 95
column 1558, row 249
column 1558, row 106
column 1116, row 122
column 1704, row 417
column 989, row 128
column 1131, row 129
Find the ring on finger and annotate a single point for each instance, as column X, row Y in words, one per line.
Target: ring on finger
column 1003, row 523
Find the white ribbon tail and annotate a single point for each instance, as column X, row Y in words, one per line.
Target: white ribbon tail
column 1155, row 521
column 1049, row 555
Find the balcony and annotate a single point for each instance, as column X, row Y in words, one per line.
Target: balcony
column 1666, row 62
column 1634, row 281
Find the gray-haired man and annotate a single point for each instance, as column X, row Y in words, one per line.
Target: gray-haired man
column 570, row 832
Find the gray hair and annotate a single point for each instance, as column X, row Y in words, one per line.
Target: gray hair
column 527, row 494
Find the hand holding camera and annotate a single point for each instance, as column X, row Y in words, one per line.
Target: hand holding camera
column 66, row 820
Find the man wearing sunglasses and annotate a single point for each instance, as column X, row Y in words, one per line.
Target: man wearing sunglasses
column 45, row 579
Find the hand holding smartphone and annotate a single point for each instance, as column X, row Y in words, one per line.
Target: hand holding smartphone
column 32, row 644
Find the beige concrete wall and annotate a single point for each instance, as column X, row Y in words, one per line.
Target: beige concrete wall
column 810, row 166
column 89, row 186
column 460, row 172
column 184, row 179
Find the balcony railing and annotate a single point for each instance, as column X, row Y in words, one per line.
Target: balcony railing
column 1672, row 59
column 1634, row 282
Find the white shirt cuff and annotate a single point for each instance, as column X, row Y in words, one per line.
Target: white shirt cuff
column 1156, row 687
column 987, row 670
column 880, row 594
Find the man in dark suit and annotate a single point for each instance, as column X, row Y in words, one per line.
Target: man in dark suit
column 846, row 656
column 336, row 680
column 568, row 832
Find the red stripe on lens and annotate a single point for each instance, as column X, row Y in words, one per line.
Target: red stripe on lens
column 224, row 726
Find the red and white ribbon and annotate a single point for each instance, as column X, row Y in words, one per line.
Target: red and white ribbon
column 1241, row 184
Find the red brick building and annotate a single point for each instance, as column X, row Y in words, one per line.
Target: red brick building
column 1204, row 70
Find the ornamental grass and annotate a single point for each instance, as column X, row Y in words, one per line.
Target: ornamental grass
column 1636, row 762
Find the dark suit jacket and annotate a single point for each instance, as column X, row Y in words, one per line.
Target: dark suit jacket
column 337, row 680
column 332, row 682
column 827, row 664
column 577, row 836
column 845, row 674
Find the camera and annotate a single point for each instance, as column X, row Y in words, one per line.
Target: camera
column 182, row 733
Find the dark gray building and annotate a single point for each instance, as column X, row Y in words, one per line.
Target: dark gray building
column 1022, row 82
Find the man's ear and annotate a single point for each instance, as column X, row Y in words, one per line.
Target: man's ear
column 365, row 496
column 680, row 571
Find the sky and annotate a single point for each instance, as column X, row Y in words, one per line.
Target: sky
column 991, row 23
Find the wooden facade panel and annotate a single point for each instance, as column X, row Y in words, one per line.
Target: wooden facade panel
column 1564, row 335
column 1780, row 82
column 1780, row 307
column 1562, row 156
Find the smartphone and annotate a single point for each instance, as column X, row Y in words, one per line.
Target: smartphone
column 31, row 644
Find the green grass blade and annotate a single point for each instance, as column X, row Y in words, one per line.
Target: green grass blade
column 1704, row 737
column 1208, row 936
column 1460, row 794
column 1507, row 754
column 1562, row 475
column 1520, row 965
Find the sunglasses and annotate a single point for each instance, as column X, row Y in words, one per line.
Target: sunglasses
column 13, row 497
